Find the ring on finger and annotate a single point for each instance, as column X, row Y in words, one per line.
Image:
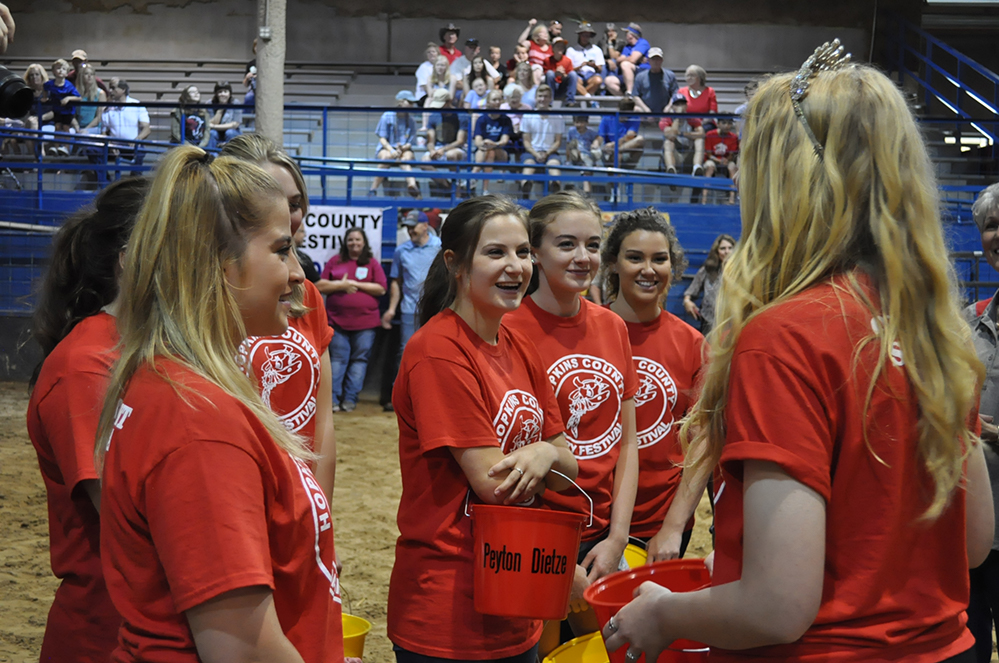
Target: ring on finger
column 517, row 469
column 632, row 655
column 612, row 625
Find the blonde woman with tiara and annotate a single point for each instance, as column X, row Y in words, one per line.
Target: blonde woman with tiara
column 293, row 370
column 837, row 401
column 215, row 537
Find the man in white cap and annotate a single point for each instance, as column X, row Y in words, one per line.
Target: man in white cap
column 396, row 133
column 587, row 60
column 655, row 86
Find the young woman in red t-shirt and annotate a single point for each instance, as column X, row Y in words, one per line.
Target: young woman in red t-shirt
column 215, row 536
column 838, row 399
column 74, row 325
column 641, row 257
column 589, row 364
column 293, row 370
column 476, row 419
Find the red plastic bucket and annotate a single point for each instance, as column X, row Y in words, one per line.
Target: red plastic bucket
column 525, row 560
column 612, row 592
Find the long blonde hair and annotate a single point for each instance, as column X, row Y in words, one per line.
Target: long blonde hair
column 261, row 150
column 443, row 80
column 870, row 202
column 175, row 302
column 89, row 92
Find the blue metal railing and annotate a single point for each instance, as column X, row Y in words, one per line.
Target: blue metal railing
column 953, row 87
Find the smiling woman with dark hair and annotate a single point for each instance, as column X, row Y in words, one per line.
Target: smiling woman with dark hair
column 225, row 123
column 352, row 282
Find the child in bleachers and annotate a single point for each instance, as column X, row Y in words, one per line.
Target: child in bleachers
column 61, row 92
column 476, row 97
column 721, row 146
column 582, row 140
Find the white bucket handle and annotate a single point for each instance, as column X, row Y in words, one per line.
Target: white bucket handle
column 588, row 498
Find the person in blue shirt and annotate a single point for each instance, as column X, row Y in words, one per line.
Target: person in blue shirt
column 447, row 137
column 631, row 60
column 655, row 86
column 581, row 141
column 410, row 265
column 396, row 133
column 625, row 132
column 60, row 93
column 493, row 132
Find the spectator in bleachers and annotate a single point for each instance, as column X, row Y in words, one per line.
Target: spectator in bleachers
column 36, row 77
column 472, row 65
column 60, row 93
column 683, row 136
column 396, row 134
column 479, row 68
column 700, row 97
column 587, row 60
column 89, row 117
column 559, row 74
column 538, row 47
column 129, row 122
column 250, row 79
column 227, row 121
column 447, row 135
column 611, row 45
column 625, row 133
column 440, row 79
column 78, row 59
column 476, row 97
column 190, row 125
column 630, row 61
column 424, row 70
column 523, row 76
column 554, row 29
column 542, row 135
column 749, row 91
column 655, row 86
column 721, row 148
column 582, row 146
column 519, row 55
column 449, row 37
column 496, row 60
column 513, row 100
column 492, row 135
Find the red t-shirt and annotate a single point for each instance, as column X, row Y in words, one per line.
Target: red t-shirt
column 551, row 64
column 705, row 102
column 537, row 53
column 286, row 367
column 62, row 424
column 358, row 310
column 717, row 146
column 895, row 589
column 197, row 501
column 667, row 354
column 591, row 370
column 451, row 55
column 456, row 391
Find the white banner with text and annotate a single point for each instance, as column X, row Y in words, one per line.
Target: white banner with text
column 326, row 226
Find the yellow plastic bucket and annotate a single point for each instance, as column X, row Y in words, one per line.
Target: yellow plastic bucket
column 354, row 630
column 635, row 556
column 584, row 649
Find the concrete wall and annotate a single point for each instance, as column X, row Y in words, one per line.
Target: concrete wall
column 774, row 35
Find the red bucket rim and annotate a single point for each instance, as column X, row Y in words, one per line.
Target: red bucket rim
column 549, row 515
column 642, row 573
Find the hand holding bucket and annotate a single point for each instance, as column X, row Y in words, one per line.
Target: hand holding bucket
column 524, row 559
column 636, row 627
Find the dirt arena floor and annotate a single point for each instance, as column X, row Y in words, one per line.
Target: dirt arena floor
column 364, row 505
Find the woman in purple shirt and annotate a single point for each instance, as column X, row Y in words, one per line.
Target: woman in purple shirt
column 353, row 281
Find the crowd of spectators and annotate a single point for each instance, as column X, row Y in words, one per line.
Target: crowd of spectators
column 544, row 72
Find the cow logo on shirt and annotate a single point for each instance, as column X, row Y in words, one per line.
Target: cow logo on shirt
column 322, row 523
column 589, row 392
column 654, row 402
column 518, row 421
column 275, row 360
